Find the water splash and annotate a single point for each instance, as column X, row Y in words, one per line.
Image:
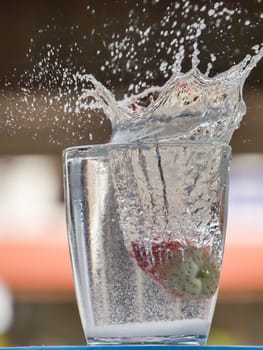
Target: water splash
column 189, row 107
column 158, row 75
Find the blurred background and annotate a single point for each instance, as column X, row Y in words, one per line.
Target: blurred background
column 37, row 300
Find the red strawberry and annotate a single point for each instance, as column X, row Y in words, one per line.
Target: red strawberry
column 182, row 269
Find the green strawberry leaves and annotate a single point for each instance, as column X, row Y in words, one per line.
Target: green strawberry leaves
column 181, row 269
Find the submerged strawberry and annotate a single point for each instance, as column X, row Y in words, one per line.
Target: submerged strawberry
column 184, row 270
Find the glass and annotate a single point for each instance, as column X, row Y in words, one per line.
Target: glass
column 146, row 229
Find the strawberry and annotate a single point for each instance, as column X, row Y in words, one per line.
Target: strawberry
column 181, row 269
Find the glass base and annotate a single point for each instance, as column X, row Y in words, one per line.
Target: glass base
column 165, row 340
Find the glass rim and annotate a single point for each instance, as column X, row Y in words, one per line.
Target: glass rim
column 100, row 146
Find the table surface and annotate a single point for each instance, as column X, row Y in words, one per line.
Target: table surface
column 136, row 347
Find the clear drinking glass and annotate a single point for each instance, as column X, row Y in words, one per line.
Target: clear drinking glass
column 146, row 229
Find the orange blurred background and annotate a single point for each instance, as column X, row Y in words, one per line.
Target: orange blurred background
column 35, row 270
